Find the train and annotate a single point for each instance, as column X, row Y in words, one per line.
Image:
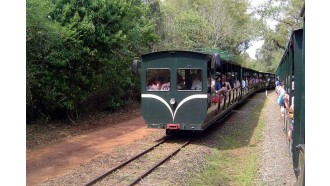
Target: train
column 291, row 71
column 171, row 100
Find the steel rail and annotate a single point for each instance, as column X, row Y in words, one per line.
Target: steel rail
column 124, row 163
column 158, row 164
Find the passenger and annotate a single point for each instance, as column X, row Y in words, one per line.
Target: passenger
column 217, row 83
column 230, row 80
column 213, row 83
column 237, row 86
column 197, row 83
column 277, row 85
column 282, row 99
column 166, row 86
column 161, row 81
column 243, row 83
column 229, row 88
column 190, row 80
column 267, row 80
column 210, row 85
column 153, row 85
column 251, row 82
column 247, row 83
column 291, row 114
column 180, row 82
column 228, row 84
column 223, row 90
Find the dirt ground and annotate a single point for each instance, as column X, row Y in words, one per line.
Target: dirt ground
column 54, row 149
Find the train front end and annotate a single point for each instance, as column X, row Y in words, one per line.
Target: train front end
column 174, row 90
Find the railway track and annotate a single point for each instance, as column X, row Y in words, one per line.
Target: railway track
column 173, row 148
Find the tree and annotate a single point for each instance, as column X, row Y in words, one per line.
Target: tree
column 286, row 13
column 78, row 52
column 223, row 24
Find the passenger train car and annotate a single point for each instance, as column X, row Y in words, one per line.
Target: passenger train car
column 171, row 100
column 291, row 71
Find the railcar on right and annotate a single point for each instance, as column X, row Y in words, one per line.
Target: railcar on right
column 291, row 72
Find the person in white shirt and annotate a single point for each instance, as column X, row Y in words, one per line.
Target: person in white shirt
column 243, row 83
column 197, row 84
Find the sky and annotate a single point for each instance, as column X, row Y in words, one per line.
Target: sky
column 253, row 48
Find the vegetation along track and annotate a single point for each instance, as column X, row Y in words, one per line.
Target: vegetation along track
column 123, row 173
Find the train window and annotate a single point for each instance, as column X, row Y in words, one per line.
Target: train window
column 189, row 79
column 158, row 80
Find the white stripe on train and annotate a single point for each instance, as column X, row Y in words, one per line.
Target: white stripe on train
column 179, row 105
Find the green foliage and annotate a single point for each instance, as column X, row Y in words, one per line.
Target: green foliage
column 286, row 13
column 77, row 50
column 188, row 24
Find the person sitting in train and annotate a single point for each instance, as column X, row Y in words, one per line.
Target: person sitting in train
column 217, row 85
column 162, row 83
column 210, row 85
column 237, row 85
column 166, row 86
column 243, row 84
column 277, row 85
column 153, row 85
column 230, row 80
column 227, row 83
column 224, row 89
column 247, row 83
column 180, row 82
column 251, row 82
column 291, row 114
column 197, row 83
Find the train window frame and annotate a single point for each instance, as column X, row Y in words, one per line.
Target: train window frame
column 185, row 81
column 168, row 87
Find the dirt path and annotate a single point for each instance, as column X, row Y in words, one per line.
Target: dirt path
column 57, row 159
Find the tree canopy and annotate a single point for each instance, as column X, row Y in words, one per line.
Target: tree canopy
column 78, row 51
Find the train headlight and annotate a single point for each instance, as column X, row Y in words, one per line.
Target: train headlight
column 172, row 101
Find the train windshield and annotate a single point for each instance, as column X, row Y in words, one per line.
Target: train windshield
column 189, row 79
column 158, row 80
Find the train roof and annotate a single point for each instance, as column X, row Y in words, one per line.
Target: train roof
column 290, row 43
column 170, row 51
column 224, row 55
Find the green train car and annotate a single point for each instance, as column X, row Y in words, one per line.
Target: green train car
column 172, row 100
column 291, row 71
